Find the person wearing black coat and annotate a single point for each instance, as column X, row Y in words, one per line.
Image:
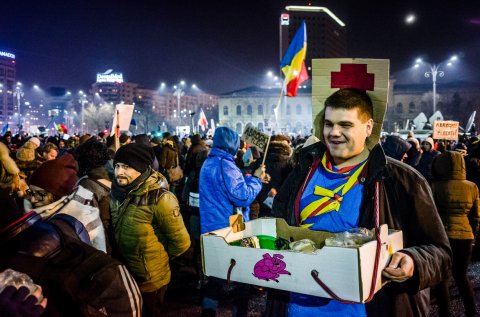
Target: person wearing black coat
column 278, row 163
column 404, row 198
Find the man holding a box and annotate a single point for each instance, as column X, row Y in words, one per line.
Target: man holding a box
column 346, row 181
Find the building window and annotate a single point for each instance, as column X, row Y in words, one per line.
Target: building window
column 298, row 110
column 225, row 110
column 289, row 110
column 411, row 107
column 249, row 110
column 260, row 126
column 260, row 110
column 399, row 107
column 239, row 128
column 239, row 110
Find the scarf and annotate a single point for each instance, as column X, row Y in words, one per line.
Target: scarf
column 119, row 193
column 330, row 199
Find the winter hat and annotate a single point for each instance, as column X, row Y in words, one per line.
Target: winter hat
column 138, row 156
column 57, row 176
column 142, row 139
column 280, row 137
column 395, row 147
column 35, row 141
column 26, row 153
column 430, row 140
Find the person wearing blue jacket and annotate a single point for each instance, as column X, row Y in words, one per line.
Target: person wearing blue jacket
column 223, row 189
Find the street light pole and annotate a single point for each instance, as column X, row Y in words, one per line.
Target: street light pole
column 434, row 71
column 82, row 102
column 178, row 93
column 18, row 92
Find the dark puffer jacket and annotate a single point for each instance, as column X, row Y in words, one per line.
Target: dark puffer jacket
column 455, row 197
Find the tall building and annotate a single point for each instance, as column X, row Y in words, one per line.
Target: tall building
column 7, row 86
column 255, row 106
column 326, row 33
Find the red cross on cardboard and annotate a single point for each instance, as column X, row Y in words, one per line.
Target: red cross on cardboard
column 353, row 76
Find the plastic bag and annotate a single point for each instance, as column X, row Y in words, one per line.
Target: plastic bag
column 304, row 246
column 17, row 279
column 350, row 239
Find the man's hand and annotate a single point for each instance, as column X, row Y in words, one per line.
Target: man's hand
column 400, row 268
column 16, row 303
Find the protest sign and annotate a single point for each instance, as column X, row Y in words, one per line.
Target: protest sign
column 255, row 137
column 125, row 114
column 445, row 130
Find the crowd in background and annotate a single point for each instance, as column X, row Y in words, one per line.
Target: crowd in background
column 451, row 168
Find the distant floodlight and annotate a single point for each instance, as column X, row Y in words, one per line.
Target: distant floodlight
column 182, row 82
column 162, row 85
column 453, row 58
column 35, row 86
column 409, row 19
column 269, row 73
column 418, row 60
column 194, row 86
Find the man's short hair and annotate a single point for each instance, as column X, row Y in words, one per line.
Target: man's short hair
column 350, row 98
column 48, row 147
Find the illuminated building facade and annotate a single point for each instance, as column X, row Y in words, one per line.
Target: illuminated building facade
column 7, row 85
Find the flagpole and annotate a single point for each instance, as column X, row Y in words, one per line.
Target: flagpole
column 282, row 90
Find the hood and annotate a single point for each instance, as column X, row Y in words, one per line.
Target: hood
column 449, row 165
column 226, row 139
column 279, row 148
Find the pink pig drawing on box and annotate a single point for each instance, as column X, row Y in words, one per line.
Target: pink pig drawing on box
column 270, row 267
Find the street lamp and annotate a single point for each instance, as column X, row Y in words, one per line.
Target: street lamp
column 18, row 92
column 179, row 92
column 83, row 100
column 434, row 72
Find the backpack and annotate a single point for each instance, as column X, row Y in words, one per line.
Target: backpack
column 91, row 282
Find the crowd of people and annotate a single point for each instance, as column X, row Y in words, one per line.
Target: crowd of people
column 136, row 213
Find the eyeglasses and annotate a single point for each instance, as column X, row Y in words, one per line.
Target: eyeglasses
column 39, row 196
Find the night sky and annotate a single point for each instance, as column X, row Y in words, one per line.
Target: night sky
column 218, row 45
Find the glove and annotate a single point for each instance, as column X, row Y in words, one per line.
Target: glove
column 15, row 303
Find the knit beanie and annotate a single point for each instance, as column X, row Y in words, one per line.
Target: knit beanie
column 136, row 155
column 57, row 176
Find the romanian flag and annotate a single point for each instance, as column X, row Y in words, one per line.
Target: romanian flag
column 202, row 121
column 293, row 63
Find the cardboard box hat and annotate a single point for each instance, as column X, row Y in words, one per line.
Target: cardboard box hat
column 331, row 74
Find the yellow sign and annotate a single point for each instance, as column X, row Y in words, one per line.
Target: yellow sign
column 445, row 130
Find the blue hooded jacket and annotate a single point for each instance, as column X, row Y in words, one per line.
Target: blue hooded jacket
column 222, row 187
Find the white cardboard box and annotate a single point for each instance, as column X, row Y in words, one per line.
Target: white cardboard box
column 346, row 271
